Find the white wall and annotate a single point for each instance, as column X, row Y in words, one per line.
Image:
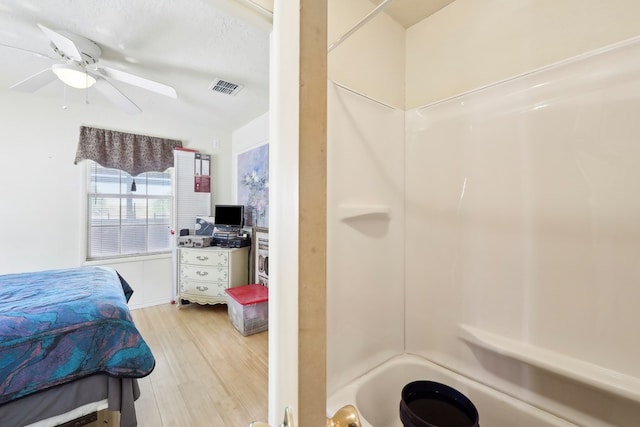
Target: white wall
column 371, row 60
column 528, row 244
column 470, row 44
column 365, row 235
column 523, row 201
column 365, row 149
column 42, row 222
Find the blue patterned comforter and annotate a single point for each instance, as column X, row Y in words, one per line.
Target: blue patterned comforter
column 60, row 325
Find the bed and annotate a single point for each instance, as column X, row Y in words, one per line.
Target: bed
column 67, row 343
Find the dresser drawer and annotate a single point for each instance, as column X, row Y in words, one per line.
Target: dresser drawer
column 204, row 257
column 203, row 289
column 204, row 272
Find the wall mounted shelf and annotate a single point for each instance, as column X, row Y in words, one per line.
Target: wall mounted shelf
column 614, row 382
column 355, row 211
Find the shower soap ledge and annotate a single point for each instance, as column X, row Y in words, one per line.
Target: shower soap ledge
column 355, row 211
column 597, row 376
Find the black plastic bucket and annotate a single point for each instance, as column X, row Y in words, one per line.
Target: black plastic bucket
column 432, row 404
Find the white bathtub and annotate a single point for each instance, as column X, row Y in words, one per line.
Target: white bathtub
column 376, row 395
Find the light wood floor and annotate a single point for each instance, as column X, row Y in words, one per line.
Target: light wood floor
column 206, row 374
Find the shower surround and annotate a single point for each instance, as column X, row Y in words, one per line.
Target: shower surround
column 495, row 234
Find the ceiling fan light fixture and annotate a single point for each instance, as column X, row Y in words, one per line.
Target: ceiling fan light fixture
column 73, row 75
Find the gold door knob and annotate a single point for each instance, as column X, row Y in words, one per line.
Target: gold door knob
column 347, row 416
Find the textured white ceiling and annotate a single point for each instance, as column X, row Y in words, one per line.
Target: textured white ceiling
column 184, row 44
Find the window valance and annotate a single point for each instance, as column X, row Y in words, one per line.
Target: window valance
column 132, row 153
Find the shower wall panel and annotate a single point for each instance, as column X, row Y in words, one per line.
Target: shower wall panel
column 365, row 224
column 523, row 236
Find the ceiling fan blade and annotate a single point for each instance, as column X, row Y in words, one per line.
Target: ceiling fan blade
column 114, row 95
column 138, row 81
column 36, row 81
column 33, row 52
column 66, row 45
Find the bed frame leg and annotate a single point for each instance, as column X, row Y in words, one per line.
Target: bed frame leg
column 108, row 418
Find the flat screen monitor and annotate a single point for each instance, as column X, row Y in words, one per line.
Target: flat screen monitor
column 229, row 217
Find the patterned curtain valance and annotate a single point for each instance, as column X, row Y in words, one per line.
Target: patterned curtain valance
column 134, row 154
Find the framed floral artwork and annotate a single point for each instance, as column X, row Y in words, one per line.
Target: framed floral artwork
column 253, row 185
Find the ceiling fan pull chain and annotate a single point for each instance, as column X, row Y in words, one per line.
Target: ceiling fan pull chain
column 64, row 97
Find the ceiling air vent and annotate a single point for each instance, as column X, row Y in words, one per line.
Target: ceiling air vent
column 225, row 87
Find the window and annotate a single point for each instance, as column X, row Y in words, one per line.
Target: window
column 122, row 222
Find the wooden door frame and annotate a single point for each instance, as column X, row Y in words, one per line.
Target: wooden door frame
column 312, row 331
column 297, row 203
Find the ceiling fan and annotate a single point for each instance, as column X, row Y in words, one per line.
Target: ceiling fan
column 80, row 68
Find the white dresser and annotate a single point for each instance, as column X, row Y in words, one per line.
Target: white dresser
column 205, row 273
